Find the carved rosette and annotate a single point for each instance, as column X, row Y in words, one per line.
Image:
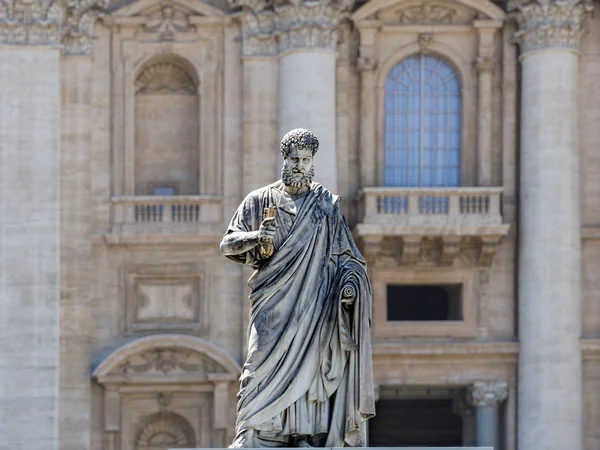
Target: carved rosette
column 53, row 22
column 310, row 24
column 487, row 394
column 549, row 23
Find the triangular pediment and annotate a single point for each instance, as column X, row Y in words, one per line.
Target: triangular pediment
column 147, row 8
column 427, row 12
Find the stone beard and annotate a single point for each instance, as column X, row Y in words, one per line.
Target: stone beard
column 289, row 180
column 308, row 376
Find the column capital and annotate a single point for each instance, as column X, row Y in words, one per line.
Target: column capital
column 544, row 24
column 310, row 24
column 52, row 23
column 259, row 37
column 487, row 394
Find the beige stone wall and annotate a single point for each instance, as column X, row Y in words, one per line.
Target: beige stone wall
column 103, row 285
column 30, row 198
column 589, row 140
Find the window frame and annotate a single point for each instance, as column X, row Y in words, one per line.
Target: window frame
column 468, row 138
column 452, row 139
column 386, row 329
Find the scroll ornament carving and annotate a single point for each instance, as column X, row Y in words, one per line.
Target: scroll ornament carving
column 487, row 394
column 167, row 22
column 549, row 23
column 39, row 22
column 309, row 24
column 168, row 361
column 270, row 29
column 427, row 14
column 259, row 37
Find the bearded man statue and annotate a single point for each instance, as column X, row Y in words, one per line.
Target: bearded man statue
column 308, row 377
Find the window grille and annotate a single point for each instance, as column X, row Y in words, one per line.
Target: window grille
column 422, row 124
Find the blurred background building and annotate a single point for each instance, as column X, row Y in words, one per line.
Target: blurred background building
column 462, row 135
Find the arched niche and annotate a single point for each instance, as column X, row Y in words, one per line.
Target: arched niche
column 174, row 374
column 167, row 118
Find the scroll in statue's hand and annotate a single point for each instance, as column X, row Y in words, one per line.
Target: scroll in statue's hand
column 348, row 294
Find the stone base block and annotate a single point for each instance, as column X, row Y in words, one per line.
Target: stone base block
column 387, row 448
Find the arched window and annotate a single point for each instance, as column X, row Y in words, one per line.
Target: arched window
column 422, row 124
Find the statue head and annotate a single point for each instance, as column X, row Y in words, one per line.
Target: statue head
column 298, row 148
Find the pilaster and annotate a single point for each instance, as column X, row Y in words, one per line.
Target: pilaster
column 29, row 239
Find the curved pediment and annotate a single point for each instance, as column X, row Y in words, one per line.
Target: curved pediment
column 166, row 358
column 428, row 12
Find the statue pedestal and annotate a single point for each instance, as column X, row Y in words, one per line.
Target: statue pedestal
column 387, row 448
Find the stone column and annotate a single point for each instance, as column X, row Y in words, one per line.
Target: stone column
column 549, row 384
column 485, row 69
column 486, row 398
column 36, row 363
column 259, row 111
column 307, row 86
column 29, row 224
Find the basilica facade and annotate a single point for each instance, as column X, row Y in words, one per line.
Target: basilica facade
column 461, row 135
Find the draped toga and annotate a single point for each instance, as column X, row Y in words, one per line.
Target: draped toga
column 308, row 370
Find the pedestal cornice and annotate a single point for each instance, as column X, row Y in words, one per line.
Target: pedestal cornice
column 54, row 22
column 547, row 24
column 487, row 394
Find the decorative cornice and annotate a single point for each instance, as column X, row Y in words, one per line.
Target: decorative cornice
column 549, row 23
column 54, row 22
column 310, row 24
column 487, row 394
column 36, row 22
column 268, row 30
column 259, row 34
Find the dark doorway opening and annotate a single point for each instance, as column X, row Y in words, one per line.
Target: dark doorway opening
column 415, row 422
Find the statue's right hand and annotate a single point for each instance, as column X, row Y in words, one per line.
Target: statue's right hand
column 267, row 230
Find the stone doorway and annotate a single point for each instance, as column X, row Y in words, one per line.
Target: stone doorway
column 426, row 418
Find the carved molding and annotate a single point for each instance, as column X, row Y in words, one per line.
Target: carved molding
column 54, row 22
column 259, row 36
column 487, row 394
column 165, row 77
column 410, row 248
column 427, row 14
column 549, row 23
column 268, row 30
column 167, row 22
column 168, row 361
column 308, row 24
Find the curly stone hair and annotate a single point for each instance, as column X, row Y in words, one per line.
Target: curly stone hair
column 300, row 137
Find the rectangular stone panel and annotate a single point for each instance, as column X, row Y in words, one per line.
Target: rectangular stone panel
column 165, row 297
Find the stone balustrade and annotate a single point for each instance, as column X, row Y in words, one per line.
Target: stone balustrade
column 166, row 215
column 467, row 206
column 431, row 225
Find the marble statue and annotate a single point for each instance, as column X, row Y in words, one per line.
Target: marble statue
column 308, row 378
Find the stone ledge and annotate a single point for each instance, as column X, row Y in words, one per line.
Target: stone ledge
column 445, row 349
column 390, row 448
